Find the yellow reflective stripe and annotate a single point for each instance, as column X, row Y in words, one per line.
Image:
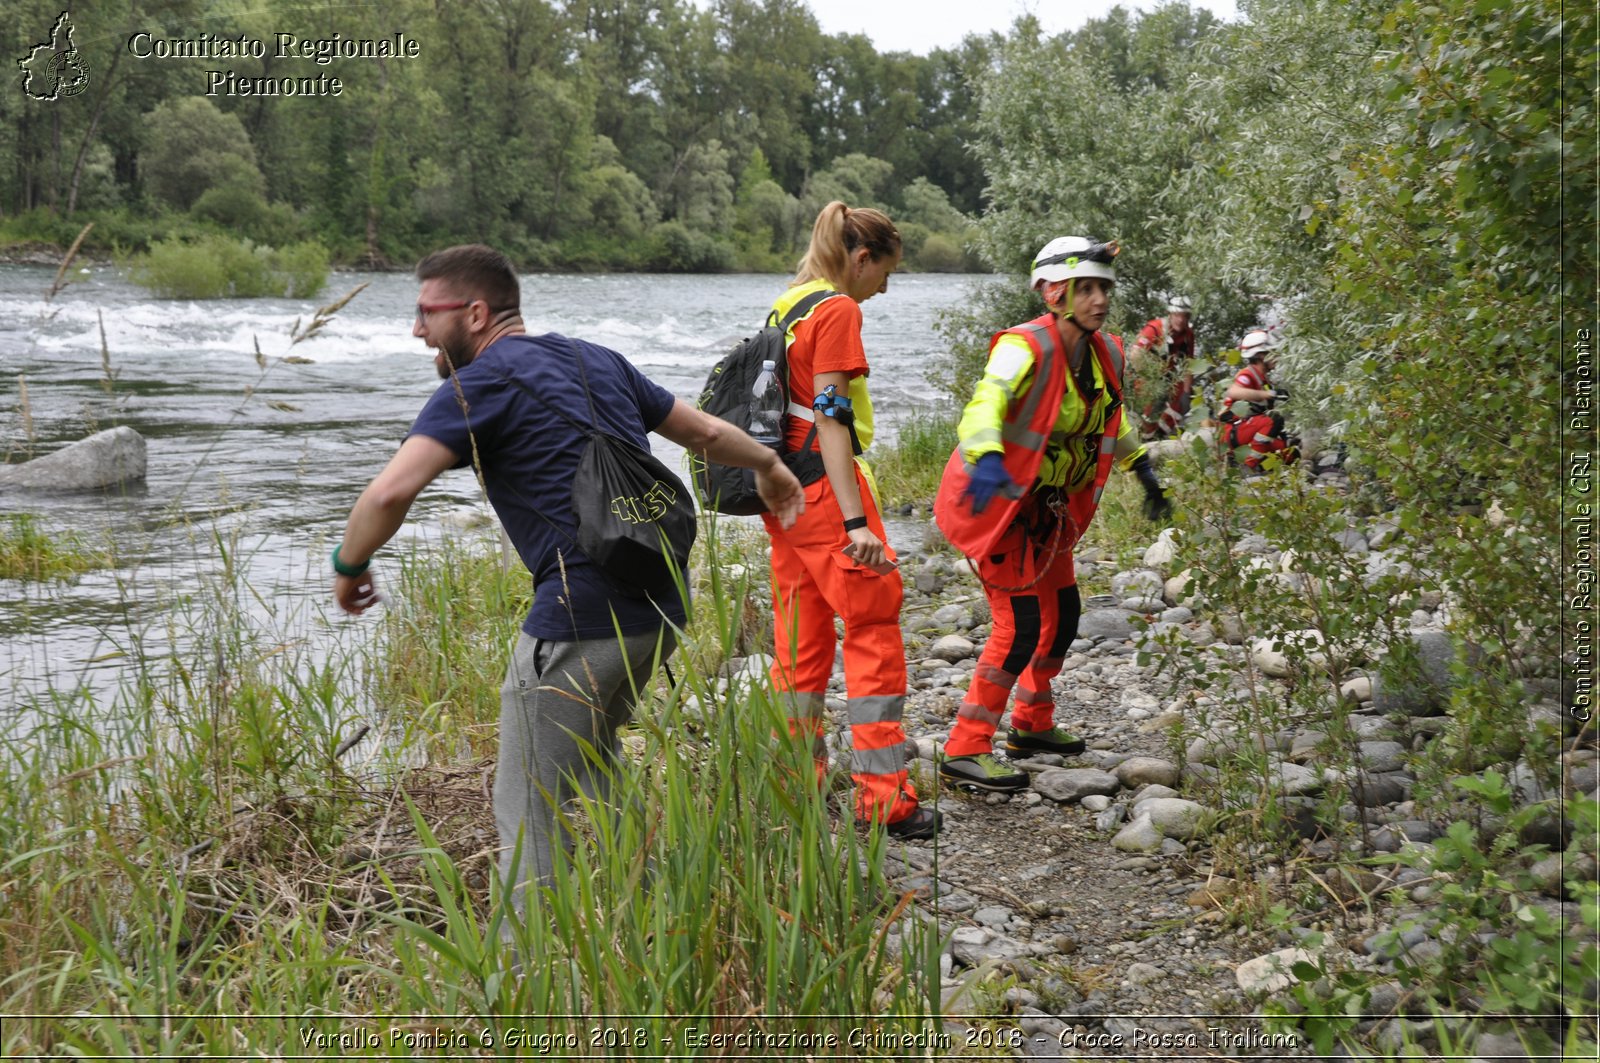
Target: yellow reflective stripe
column 861, row 406
column 1002, row 384
column 979, row 428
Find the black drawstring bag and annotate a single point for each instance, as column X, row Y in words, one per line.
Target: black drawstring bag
column 635, row 519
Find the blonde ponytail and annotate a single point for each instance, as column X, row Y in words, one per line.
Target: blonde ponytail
column 838, row 232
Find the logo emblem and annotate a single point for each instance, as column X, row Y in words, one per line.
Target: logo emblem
column 54, row 69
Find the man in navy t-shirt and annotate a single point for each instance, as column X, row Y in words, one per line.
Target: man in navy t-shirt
column 584, row 649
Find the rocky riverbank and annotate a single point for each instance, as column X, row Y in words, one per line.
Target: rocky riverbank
column 1091, row 911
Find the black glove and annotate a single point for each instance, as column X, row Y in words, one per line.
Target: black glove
column 1157, row 506
column 1280, row 394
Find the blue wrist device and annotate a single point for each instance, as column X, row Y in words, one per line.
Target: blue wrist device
column 832, row 404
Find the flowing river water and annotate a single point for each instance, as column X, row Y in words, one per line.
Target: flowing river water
column 252, row 472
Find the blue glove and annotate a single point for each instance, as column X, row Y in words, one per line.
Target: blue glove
column 987, row 477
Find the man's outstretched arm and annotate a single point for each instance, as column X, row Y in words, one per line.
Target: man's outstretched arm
column 380, row 511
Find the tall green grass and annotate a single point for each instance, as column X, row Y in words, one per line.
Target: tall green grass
column 908, row 470
column 203, row 864
column 30, row 551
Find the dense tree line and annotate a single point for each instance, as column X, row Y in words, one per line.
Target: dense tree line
column 627, row 133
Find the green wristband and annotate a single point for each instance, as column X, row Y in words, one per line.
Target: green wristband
column 351, row 571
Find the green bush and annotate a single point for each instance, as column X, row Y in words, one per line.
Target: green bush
column 217, row 267
column 304, row 268
column 234, row 207
column 940, row 254
column 674, row 249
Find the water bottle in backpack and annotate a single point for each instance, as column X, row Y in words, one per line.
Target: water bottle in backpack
column 768, row 404
column 746, row 389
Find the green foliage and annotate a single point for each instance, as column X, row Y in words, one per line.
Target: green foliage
column 701, row 194
column 562, row 133
column 620, row 204
column 115, row 232
column 1396, row 198
column 967, row 329
column 856, row 179
column 940, row 254
column 193, row 147
column 1069, row 154
column 673, row 248
column 217, row 267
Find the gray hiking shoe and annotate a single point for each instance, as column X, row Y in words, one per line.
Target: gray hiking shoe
column 983, row 771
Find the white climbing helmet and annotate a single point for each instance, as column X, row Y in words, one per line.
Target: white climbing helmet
column 1066, row 257
column 1256, row 344
column 1180, row 305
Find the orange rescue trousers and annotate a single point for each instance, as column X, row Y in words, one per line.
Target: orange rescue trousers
column 812, row 582
column 1032, row 628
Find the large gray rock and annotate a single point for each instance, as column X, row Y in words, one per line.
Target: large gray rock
column 973, row 946
column 1371, row 789
column 1160, row 554
column 1499, row 1048
column 1272, row 655
column 1254, row 544
column 1424, row 692
column 1101, row 624
column 1072, row 784
column 1140, row 836
column 1177, row 590
column 1294, row 780
column 1383, row 756
column 1352, row 541
column 1138, row 582
column 105, row 459
column 952, row 648
column 1137, row 771
column 1384, row 530
column 1174, row 817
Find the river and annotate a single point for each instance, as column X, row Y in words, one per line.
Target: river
column 263, row 465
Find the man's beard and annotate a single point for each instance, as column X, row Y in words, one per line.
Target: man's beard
column 456, row 356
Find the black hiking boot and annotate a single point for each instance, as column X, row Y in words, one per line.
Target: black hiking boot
column 1055, row 741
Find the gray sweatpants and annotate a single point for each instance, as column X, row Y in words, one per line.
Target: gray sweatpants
column 558, row 698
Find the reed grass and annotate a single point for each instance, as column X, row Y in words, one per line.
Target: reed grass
column 28, row 550
column 25, row 412
column 204, row 863
column 908, row 470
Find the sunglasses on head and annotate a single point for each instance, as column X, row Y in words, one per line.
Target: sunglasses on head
column 1103, row 253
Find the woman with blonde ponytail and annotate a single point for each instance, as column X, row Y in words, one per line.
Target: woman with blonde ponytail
column 834, row 562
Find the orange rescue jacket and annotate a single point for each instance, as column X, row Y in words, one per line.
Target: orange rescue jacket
column 1025, row 433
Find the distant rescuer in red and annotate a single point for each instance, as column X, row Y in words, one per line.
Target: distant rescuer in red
column 1171, row 340
column 572, row 679
column 1036, row 446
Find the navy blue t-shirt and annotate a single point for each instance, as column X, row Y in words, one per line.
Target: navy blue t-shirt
column 529, row 456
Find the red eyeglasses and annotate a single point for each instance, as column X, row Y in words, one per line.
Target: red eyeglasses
column 424, row 309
